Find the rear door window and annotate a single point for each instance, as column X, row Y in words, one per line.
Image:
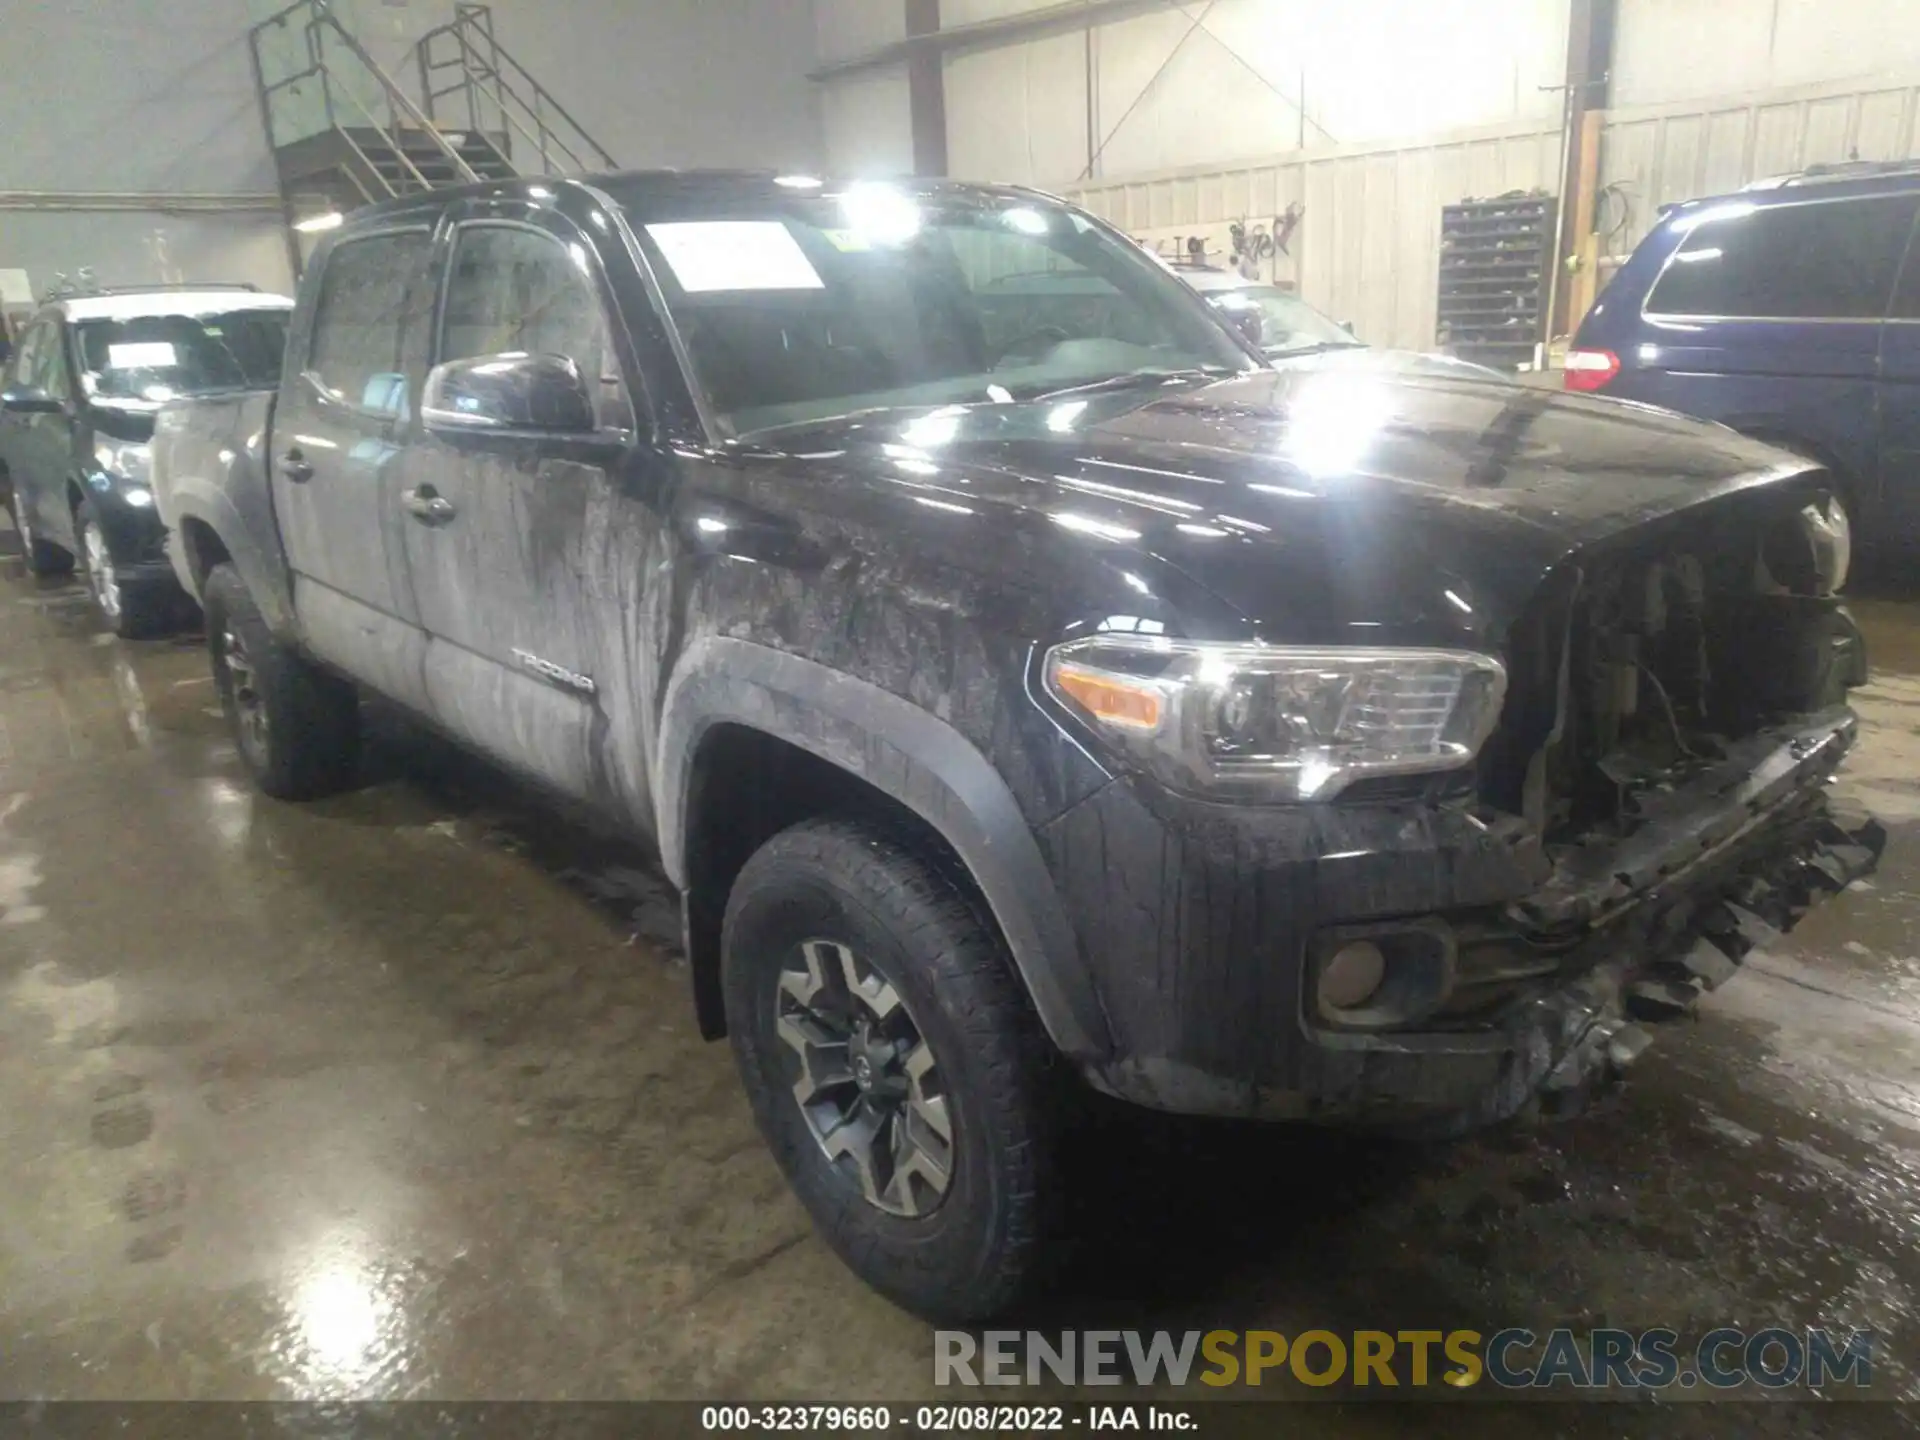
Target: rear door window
column 26, row 357
column 41, row 363
column 373, row 322
column 52, row 362
column 1821, row 260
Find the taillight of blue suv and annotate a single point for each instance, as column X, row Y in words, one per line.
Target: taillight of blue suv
column 1591, row 369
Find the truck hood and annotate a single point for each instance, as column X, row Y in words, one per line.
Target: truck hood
column 1323, row 504
column 1378, row 360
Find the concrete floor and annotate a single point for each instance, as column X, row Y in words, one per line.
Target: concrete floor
column 393, row 1095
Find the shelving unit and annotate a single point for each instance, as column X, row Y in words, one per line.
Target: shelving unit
column 1493, row 278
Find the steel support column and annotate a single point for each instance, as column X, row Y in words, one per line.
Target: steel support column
column 926, row 90
column 1591, row 25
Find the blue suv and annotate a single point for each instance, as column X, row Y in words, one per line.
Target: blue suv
column 1789, row 311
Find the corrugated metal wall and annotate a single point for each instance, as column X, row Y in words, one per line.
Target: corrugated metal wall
column 1653, row 155
column 1696, row 51
column 1231, row 82
column 1366, row 246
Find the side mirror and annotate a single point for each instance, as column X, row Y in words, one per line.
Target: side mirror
column 29, row 400
column 1240, row 313
column 514, row 391
column 1347, row 325
column 1247, row 322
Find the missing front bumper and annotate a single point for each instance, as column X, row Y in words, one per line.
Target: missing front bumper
column 1562, row 1041
column 1622, row 1002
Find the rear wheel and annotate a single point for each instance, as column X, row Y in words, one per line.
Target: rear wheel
column 297, row 727
column 894, row 1066
column 42, row 556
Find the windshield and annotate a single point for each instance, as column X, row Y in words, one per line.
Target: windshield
column 153, row 358
column 822, row 305
column 1287, row 322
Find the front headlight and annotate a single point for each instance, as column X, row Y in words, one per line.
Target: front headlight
column 130, row 461
column 1278, row 722
column 1809, row 551
column 1831, row 534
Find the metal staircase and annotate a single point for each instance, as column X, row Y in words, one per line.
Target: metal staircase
column 345, row 133
column 467, row 77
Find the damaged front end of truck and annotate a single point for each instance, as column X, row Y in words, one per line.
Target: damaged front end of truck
column 1676, row 713
column 1443, row 950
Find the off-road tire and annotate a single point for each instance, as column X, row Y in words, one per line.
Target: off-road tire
column 981, row 1248
column 310, row 746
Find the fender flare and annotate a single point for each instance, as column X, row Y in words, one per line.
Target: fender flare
column 1768, row 430
column 908, row 754
column 263, row 572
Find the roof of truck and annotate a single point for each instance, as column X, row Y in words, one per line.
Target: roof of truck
column 637, row 190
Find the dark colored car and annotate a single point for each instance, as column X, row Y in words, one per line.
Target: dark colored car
column 1021, row 691
column 76, row 416
column 1291, row 332
column 1278, row 321
column 1790, row 311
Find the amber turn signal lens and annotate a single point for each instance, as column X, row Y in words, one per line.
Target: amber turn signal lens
column 1134, row 706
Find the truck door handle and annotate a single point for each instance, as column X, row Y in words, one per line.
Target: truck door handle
column 294, row 466
column 427, row 505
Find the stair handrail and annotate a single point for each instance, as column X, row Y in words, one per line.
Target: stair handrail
column 320, row 20
column 263, row 90
column 473, row 24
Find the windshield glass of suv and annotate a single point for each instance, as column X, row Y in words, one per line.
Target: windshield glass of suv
column 822, row 305
column 153, row 358
column 1286, row 321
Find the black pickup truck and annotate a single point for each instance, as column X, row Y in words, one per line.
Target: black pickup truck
column 1030, row 692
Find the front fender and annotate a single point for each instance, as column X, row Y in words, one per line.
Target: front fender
column 260, row 562
column 1806, row 437
column 205, row 475
column 909, row 755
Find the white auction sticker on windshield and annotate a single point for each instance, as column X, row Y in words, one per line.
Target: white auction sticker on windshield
column 711, row 255
column 141, row 355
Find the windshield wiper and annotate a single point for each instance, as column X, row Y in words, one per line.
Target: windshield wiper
column 819, row 421
column 1317, row 347
column 1132, row 378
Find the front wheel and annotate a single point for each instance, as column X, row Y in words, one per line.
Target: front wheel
column 131, row 610
column 297, row 727
column 894, row 1066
